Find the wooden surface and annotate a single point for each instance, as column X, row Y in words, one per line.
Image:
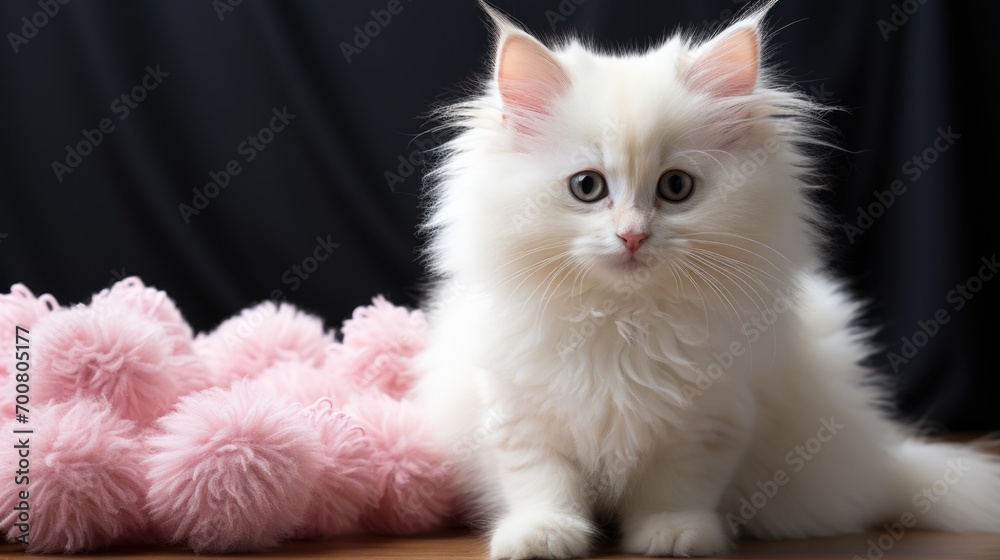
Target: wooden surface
column 453, row 546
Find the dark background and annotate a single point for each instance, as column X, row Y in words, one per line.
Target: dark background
column 116, row 214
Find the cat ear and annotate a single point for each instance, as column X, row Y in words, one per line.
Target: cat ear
column 727, row 66
column 527, row 73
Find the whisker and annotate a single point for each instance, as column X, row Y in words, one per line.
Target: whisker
column 683, row 268
column 527, row 270
column 547, row 283
column 723, row 233
column 532, row 252
column 734, row 279
column 718, row 289
column 742, row 266
column 732, row 265
column 736, row 282
column 687, row 266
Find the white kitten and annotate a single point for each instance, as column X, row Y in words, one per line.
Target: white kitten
column 630, row 322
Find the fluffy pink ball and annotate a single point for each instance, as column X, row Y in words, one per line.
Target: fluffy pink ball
column 260, row 337
column 232, row 470
column 149, row 302
column 303, row 383
column 108, row 352
column 347, row 486
column 19, row 308
column 87, row 479
column 156, row 305
column 380, row 342
column 413, row 477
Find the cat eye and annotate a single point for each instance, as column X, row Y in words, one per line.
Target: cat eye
column 675, row 186
column 588, row 186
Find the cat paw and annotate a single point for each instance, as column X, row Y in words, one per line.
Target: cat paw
column 682, row 533
column 543, row 535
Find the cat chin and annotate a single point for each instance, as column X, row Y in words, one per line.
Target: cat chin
column 620, row 266
column 632, row 263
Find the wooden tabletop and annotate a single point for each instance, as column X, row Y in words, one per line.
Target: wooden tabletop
column 459, row 545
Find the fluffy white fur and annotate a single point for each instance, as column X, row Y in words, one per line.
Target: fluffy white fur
column 705, row 387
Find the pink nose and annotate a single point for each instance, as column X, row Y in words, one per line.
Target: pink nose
column 633, row 240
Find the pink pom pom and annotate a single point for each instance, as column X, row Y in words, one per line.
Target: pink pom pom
column 414, row 475
column 260, row 337
column 303, row 383
column 156, row 305
column 19, row 308
column 346, row 487
column 87, row 479
column 148, row 302
column 380, row 342
column 232, row 470
column 109, row 352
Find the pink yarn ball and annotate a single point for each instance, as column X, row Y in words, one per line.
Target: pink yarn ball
column 347, row 486
column 109, row 352
column 87, row 479
column 380, row 342
column 156, row 305
column 303, row 383
column 232, row 470
column 414, row 475
column 260, row 337
column 19, row 308
column 148, row 302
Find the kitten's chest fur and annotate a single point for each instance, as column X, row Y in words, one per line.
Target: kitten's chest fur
column 608, row 389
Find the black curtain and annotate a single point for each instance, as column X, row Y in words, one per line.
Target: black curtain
column 233, row 151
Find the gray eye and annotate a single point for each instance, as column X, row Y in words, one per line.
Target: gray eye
column 675, row 186
column 588, row 186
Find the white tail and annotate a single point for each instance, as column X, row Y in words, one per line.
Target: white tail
column 948, row 487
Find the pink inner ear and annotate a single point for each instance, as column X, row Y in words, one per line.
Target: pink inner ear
column 528, row 76
column 729, row 67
